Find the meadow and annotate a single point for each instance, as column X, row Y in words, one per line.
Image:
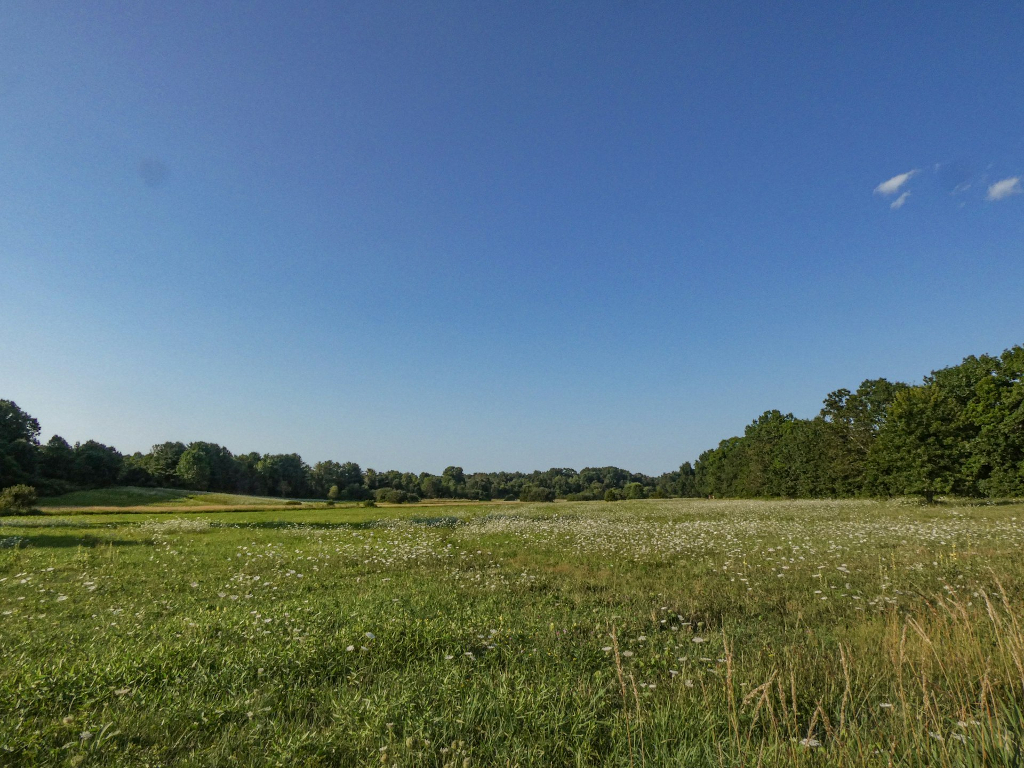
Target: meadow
column 660, row 632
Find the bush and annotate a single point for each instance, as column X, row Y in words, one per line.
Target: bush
column 392, row 496
column 369, row 503
column 18, row 499
column 634, row 491
column 611, row 495
column 536, row 493
column 582, row 496
column 49, row 487
column 510, row 497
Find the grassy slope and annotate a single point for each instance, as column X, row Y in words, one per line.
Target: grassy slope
column 129, row 496
column 658, row 633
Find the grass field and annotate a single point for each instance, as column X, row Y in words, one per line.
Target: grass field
column 155, row 499
column 164, row 500
column 677, row 632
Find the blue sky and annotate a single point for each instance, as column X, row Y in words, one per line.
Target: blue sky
column 497, row 235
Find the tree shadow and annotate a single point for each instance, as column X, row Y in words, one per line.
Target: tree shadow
column 69, row 541
column 21, row 524
column 274, row 525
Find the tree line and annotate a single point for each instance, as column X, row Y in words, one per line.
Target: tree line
column 961, row 431
column 57, row 467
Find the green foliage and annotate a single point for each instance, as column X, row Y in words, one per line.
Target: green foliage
column 536, row 493
column 454, row 481
column 17, row 499
column 57, row 459
column 919, row 449
column 17, row 425
column 162, row 463
column 961, row 432
column 394, row 496
column 282, row 475
column 634, row 491
column 96, row 465
column 347, row 478
column 612, row 495
column 19, row 438
column 194, row 469
column 583, row 496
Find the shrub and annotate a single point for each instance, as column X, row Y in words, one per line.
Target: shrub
column 634, row 491
column 536, row 493
column 18, row 499
column 611, row 495
column 392, row 496
column 50, row 487
column 369, row 503
column 510, row 497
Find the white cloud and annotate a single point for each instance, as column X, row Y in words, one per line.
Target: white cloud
column 1004, row 188
column 892, row 186
column 899, row 201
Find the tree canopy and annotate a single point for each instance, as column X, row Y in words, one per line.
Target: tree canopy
column 960, row 431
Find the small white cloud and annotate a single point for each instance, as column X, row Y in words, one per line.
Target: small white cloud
column 1004, row 188
column 899, row 201
column 892, row 186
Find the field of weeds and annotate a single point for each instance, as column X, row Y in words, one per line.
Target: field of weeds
column 677, row 632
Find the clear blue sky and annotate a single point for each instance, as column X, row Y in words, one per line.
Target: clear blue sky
column 497, row 235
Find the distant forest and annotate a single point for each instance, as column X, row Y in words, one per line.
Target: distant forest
column 961, row 431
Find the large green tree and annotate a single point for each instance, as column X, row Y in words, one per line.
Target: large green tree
column 96, row 465
column 918, row 449
column 852, row 421
column 997, row 452
column 19, row 437
column 57, row 459
column 162, row 462
column 193, row 469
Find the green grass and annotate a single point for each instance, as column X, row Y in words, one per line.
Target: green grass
column 682, row 632
column 129, row 496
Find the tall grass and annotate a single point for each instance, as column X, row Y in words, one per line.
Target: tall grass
column 634, row 634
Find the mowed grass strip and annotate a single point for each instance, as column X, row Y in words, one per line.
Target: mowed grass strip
column 142, row 498
column 677, row 632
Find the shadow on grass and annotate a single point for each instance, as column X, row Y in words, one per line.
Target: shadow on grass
column 273, row 525
column 70, row 541
column 50, row 523
column 446, row 521
column 443, row 521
